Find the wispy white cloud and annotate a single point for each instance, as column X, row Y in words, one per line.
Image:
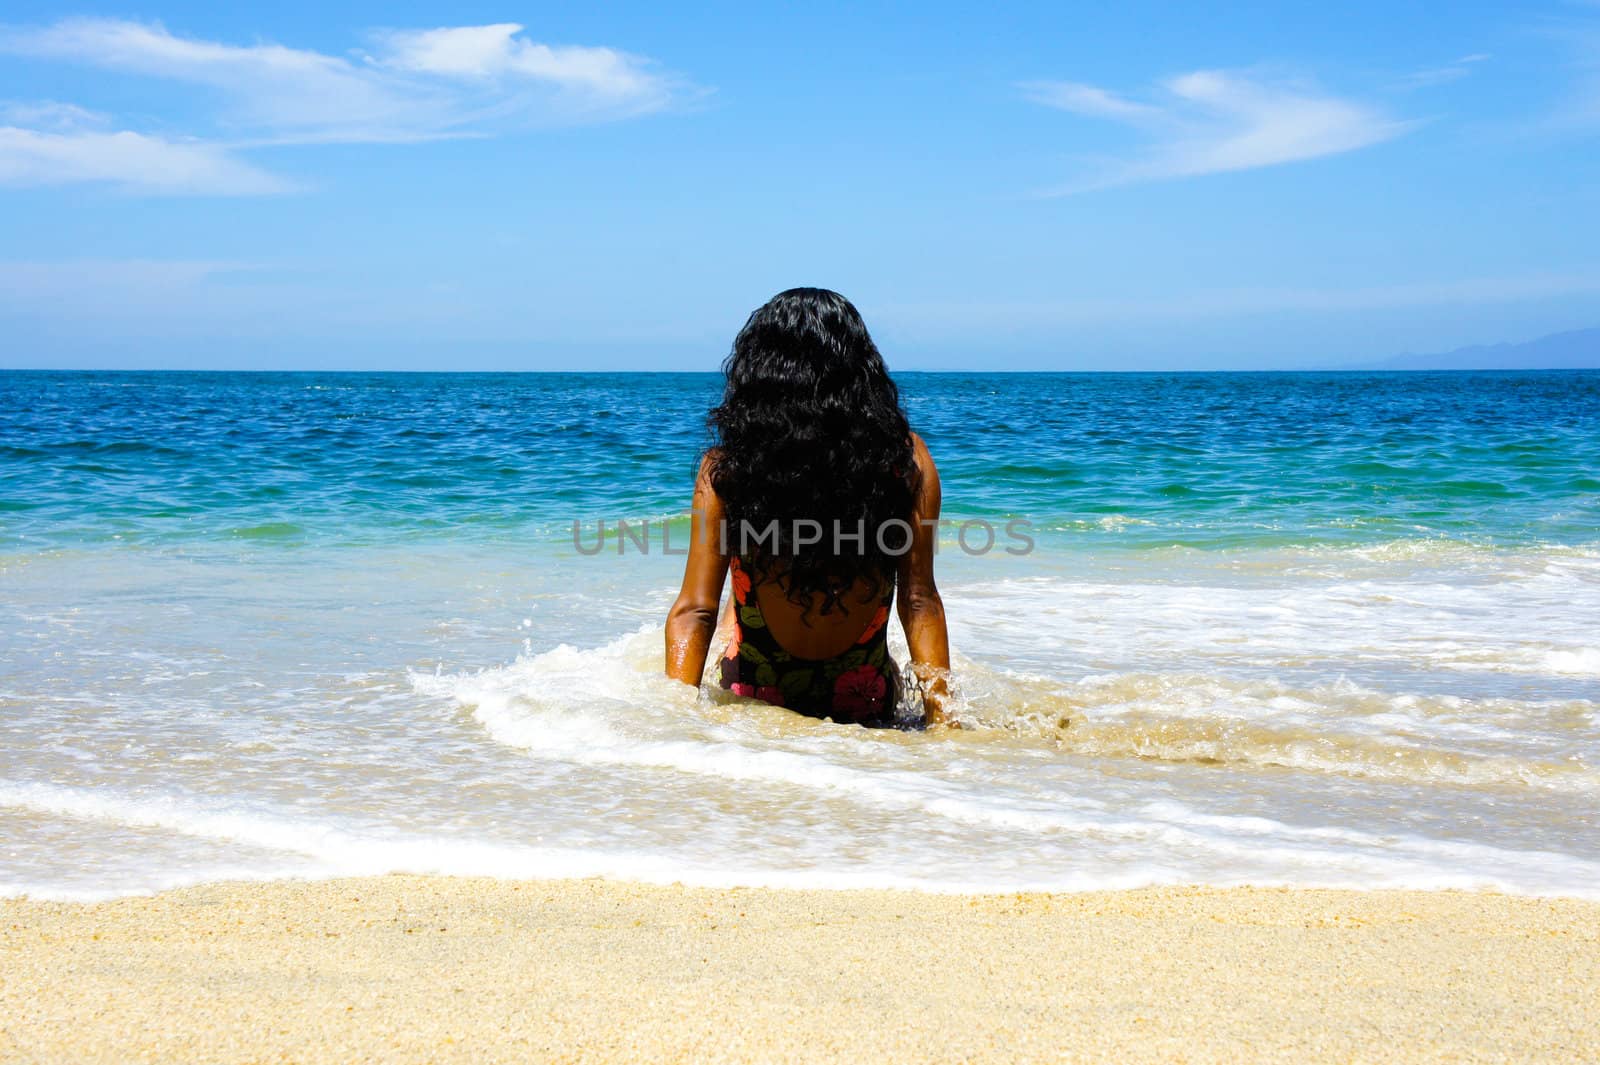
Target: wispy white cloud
column 131, row 161
column 410, row 85
column 590, row 78
column 413, row 84
column 1215, row 121
column 1443, row 75
column 50, row 114
column 1088, row 100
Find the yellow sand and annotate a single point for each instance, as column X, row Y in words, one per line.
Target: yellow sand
column 425, row 969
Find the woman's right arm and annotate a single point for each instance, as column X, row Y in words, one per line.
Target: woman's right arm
column 693, row 617
column 920, row 608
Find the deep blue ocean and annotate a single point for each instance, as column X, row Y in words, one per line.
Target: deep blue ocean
column 1202, row 460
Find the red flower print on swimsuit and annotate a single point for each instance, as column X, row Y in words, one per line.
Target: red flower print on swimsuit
column 878, row 620
column 741, row 582
column 859, row 690
column 766, row 693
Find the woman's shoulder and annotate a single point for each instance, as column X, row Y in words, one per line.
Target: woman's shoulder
column 921, row 457
column 928, row 493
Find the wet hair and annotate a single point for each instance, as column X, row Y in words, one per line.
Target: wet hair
column 810, row 428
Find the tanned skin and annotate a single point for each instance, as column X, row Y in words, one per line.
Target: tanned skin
column 692, row 621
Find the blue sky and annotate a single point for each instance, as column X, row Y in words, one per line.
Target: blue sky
column 494, row 186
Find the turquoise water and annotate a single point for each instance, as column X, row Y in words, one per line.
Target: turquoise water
column 1275, row 628
column 1108, row 460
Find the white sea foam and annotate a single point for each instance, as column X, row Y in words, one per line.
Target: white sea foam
column 1583, row 662
column 1423, row 718
column 350, row 850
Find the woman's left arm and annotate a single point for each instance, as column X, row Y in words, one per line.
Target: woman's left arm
column 693, row 617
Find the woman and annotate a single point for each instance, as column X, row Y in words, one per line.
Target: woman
column 821, row 501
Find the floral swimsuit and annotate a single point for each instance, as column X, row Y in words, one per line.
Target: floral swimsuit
column 861, row 685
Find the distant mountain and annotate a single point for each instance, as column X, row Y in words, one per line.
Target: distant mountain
column 1577, row 350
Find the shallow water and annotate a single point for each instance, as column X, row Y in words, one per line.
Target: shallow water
column 1307, row 629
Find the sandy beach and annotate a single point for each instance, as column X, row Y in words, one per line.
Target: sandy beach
column 405, row 968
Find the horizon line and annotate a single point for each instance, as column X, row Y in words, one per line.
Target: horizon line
column 1368, row 369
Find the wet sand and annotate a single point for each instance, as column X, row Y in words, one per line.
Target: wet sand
column 442, row 969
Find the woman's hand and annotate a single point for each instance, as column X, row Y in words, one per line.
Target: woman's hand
column 935, row 687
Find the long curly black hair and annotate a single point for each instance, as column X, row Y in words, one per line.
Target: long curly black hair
column 810, row 427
